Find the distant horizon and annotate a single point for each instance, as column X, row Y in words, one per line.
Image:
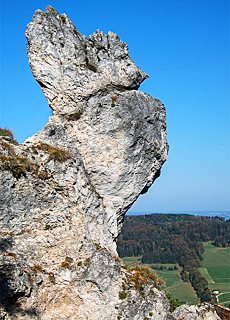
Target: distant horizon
column 221, row 213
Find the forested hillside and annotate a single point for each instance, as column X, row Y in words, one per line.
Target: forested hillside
column 171, row 238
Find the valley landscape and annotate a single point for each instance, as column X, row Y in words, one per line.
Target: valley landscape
column 213, row 257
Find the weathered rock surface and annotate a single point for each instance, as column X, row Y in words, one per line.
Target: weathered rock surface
column 64, row 192
column 121, row 132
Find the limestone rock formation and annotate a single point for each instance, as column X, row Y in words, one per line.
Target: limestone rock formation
column 64, row 192
column 91, row 86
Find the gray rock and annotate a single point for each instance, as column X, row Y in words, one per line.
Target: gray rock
column 70, row 67
column 119, row 132
column 203, row 311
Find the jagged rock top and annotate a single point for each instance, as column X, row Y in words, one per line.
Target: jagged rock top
column 71, row 67
column 91, row 83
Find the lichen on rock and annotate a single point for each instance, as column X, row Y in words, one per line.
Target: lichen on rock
column 65, row 191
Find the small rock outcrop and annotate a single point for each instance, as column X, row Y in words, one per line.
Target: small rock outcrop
column 65, row 190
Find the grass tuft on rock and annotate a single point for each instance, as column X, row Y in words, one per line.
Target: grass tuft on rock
column 139, row 276
column 59, row 155
column 7, row 133
column 55, row 153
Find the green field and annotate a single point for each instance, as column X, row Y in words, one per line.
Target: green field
column 180, row 290
column 205, row 274
column 225, row 298
column 183, row 291
column 215, row 256
column 130, row 260
column 215, row 268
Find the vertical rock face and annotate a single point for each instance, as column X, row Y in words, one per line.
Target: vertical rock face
column 64, row 192
column 91, row 86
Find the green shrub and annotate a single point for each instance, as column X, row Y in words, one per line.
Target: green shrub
column 48, row 227
column 122, row 295
column 174, row 303
column 34, row 151
column 63, row 19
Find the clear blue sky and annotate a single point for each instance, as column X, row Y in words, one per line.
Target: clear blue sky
column 184, row 46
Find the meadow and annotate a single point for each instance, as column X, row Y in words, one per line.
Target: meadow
column 215, row 268
column 183, row 291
